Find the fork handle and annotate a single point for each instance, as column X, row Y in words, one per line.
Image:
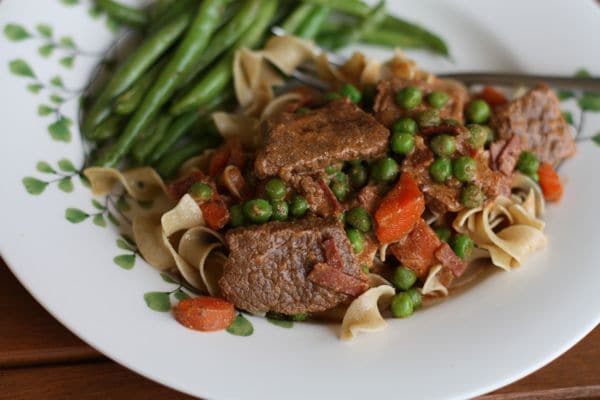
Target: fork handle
column 560, row 82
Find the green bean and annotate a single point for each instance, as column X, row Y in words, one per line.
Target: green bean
column 186, row 55
column 224, row 38
column 219, row 76
column 352, row 7
column 391, row 39
column 293, row 22
column 432, row 41
column 178, row 8
column 160, row 8
column 133, row 17
column 171, row 161
column 129, row 100
column 108, row 128
column 138, row 63
column 313, row 23
column 368, row 24
column 143, row 148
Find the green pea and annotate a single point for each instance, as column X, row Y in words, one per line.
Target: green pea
column 333, row 168
column 415, row 297
column 409, row 97
column 258, row 211
column 478, row 136
column 276, row 189
column 491, row 136
column 385, row 170
column 441, row 170
column 464, row 168
column 330, row 96
column 339, row 185
column 302, row 110
column 201, row 191
column 402, row 305
column 358, row 176
column 357, row 240
column 236, row 216
column 443, row 233
column 280, row 210
column 402, row 143
column 404, row 278
column 443, row 145
column 438, row 99
column 428, row 118
column 528, row 163
column 450, row 121
column 471, row 196
column 462, row 246
column 359, row 218
column 405, row 124
column 298, row 206
column 535, row 177
column 300, row 317
column 478, row 111
column 350, row 91
column 365, row 268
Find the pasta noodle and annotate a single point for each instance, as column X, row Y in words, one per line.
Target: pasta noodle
column 140, row 183
column 432, row 283
column 363, row 315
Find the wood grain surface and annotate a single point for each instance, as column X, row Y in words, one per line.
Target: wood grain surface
column 40, row 359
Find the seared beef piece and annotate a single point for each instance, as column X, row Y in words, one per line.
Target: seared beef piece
column 443, row 197
column 367, row 256
column 369, row 197
column 387, row 111
column 450, row 260
column 269, row 265
column 505, row 154
column 319, row 196
column 417, row 251
column 307, row 143
column 537, row 120
column 329, row 277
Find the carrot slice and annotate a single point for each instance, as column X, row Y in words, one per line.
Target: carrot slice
column 400, row 210
column 204, row 313
column 550, row 182
column 493, row 96
column 215, row 214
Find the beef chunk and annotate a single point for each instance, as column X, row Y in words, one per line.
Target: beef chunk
column 417, row 251
column 369, row 197
column 387, row 111
column 537, row 120
column 505, row 154
column 307, row 143
column 269, row 267
column 318, row 195
column 443, row 197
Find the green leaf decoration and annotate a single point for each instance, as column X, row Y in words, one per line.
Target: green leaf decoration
column 125, row 261
column 596, row 138
column 589, row 102
column 122, row 204
column 84, row 181
column 21, row 68
column 112, row 24
column 67, row 62
column 158, row 301
column 56, row 99
column 75, row 215
column 95, row 12
column 65, row 184
column 70, row 2
column 46, row 50
column 44, row 110
column 67, row 42
column 59, row 130
column 34, row 186
column 16, row 32
column 57, row 82
column 181, row 295
column 167, row 278
column 44, row 30
column 97, row 205
column 45, row 168
column 281, row 323
column 99, row 220
column 113, row 220
column 568, row 116
column 35, row 87
column 66, row 165
column 122, row 244
column 582, row 73
column 565, row 95
column 241, row 326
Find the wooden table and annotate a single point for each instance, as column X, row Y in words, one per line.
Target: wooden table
column 39, row 358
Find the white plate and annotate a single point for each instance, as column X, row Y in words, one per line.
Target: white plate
column 489, row 336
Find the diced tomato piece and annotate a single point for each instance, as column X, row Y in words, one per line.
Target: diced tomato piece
column 230, row 153
column 550, row 182
column 418, row 250
column 204, row 313
column 400, row 210
column 493, row 96
column 215, row 214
